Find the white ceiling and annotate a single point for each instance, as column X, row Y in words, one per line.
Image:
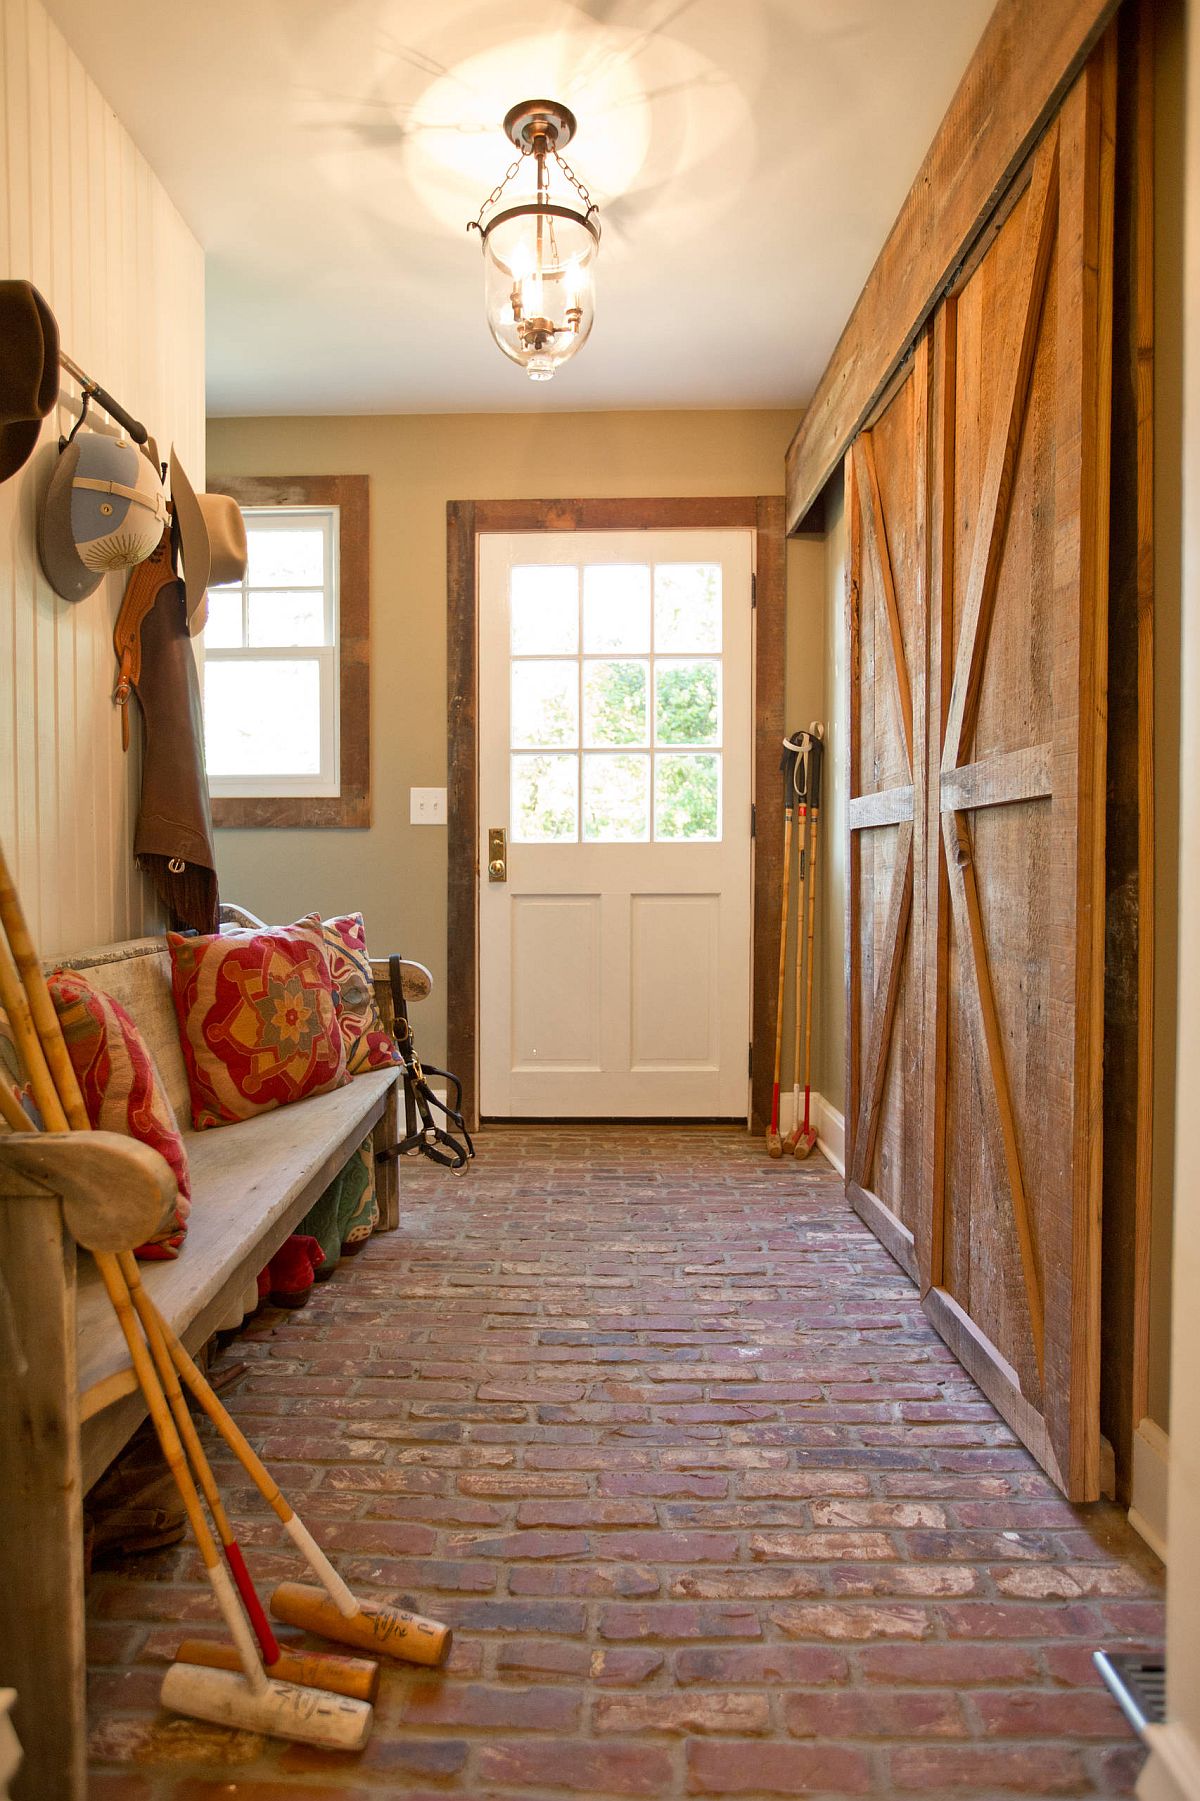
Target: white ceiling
column 748, row 157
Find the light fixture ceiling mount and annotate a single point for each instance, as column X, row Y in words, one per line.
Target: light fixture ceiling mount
column 540, row 250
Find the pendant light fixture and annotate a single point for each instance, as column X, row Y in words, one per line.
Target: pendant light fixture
column 539, row 250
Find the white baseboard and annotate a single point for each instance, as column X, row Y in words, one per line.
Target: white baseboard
column 1173, row 1770
column 1148, row 1499
column 831, row 1127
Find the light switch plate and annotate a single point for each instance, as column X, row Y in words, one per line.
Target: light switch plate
column 427, row 806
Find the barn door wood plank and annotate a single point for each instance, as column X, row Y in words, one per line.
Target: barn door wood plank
column 1013, row 875
column 881, row 563
column 995, row 1093
column 883, row 1009
column 1036, row 253
column 851, row 766
column 886, row 472
column 998, row 781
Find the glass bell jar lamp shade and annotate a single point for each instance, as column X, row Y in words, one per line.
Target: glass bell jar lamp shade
column 540, row 241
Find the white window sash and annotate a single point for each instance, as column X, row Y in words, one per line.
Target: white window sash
column 326, row 784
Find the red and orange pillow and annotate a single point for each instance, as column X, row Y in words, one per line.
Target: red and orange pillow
column 121, row 1088
column 258, row 1020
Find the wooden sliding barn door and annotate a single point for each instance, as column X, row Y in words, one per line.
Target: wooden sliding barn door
column 978, row 552
column 886, row 603
column 1014, row 933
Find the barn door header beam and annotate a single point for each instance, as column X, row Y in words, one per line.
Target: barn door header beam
column 1030, row 52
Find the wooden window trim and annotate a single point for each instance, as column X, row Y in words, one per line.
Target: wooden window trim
column 351, row 495
column 465, row 520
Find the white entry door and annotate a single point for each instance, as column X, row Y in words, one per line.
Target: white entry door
column 615, row 721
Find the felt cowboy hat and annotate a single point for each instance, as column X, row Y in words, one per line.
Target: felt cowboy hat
column 211, row 540
column 104, row 509
column 28, row 371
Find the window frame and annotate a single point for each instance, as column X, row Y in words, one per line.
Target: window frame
column 351, row 807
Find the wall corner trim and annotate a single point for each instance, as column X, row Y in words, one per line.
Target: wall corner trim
column 831, row 1133
column 1173, row 1771
column 1148, row 1501
column 830, row 1124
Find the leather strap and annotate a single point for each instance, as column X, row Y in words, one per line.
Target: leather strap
column 145, row 583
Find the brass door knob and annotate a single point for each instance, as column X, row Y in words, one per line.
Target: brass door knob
column 497, row 869
column 497, row 854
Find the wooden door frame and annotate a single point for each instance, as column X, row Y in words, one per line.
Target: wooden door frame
column 466, row 520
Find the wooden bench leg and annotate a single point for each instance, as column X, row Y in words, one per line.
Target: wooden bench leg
column 41, row 1500
column 384, row 1135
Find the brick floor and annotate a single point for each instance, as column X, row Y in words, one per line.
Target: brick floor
column 662, row 1431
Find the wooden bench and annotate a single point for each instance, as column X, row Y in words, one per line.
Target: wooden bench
column 68, row 1397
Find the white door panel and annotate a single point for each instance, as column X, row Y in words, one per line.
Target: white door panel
column 615, row 722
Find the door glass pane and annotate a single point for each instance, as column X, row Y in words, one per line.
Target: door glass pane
column 616, row 798
column 615, row 704
column 278, row 617
column 281, row 559
column 687, row 702
column 687, row 797
column 262, row 717
column 687, row 606
column 616, row 607
column 545, row 611
column 224, row 628
column 545, row 799
column 545, row 703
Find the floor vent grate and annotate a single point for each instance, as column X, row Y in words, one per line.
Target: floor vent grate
column 1138, row 1680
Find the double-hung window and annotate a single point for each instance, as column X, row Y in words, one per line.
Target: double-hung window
column 285, row 709
column 270, row 661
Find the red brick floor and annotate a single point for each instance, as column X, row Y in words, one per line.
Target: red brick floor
column 662, row 1431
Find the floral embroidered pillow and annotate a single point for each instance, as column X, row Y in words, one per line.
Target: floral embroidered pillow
column 257, row 1020
column 121, row 1088
column 13, row 1075
column 369, row 1044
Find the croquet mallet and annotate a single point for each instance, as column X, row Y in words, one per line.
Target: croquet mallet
column 807, row 1138
column 252, row 1700
column 774, row 1141
column 800, row 744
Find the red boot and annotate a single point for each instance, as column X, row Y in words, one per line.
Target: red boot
column 290, row 1273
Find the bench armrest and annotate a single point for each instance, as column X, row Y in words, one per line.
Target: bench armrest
column 417, row 981
column 116, row 1192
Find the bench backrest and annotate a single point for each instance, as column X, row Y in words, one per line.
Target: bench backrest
column 138, row 975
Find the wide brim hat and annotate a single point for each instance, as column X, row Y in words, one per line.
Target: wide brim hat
column 210, row 539
column 28, row 371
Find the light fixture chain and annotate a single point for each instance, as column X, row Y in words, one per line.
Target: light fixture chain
column 477, row 223
column 575, row 182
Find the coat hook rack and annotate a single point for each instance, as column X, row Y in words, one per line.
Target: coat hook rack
column 93, row 391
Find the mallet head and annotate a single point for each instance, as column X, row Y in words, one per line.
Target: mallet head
column 309, row 1716
column 389, row 1631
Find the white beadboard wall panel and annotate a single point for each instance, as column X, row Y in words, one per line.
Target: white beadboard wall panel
column 82, row 216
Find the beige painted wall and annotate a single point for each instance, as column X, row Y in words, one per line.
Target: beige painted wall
column 396, row 873
column 84, row 218
column 1173, row 1773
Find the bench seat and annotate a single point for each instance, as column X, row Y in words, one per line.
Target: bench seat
column 252, row 1184
column 73, row 1401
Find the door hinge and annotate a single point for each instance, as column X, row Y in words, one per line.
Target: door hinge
column 753, row 592
column 749, row 1059
column 753, row 820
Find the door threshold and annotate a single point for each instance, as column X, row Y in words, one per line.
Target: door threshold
column 710, row 1122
